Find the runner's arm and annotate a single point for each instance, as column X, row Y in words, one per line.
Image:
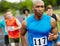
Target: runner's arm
column 54, row 34
column 54, row 28
column 19, row 24
column 23, row 31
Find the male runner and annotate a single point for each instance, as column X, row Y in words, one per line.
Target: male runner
column 41, row 28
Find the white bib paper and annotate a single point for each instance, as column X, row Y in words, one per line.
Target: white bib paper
column 10, row 28
column 40, row 41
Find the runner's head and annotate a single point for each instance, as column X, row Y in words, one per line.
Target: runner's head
column 49, row 10
column 38, row 7
column 26, row 12
column 9, row 14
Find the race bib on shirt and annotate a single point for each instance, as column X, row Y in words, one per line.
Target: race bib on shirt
column 40, row 41
column 10, row 28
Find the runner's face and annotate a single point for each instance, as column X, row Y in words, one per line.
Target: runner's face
column 8, row 14
column 38, row 8
column 49, row 11
column 26, row 12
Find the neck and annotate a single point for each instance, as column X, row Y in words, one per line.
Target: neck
column 37, row 17
column 26, row 15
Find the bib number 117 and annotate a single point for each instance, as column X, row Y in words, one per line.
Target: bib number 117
column 40, row 41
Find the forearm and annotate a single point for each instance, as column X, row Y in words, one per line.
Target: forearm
column 23, row 31
column 19, row 27
column 55, row 32
column 19, row 24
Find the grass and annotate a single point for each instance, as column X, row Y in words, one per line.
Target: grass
column 58, row 25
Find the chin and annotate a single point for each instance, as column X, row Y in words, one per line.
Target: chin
column 40, row 13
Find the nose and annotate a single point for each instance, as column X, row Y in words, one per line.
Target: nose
column 40, row 8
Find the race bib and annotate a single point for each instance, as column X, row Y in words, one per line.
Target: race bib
column 40, row 41
column 10, row 28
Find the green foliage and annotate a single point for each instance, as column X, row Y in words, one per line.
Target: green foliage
column 58, row 2
column 29, row 5
column 4, row 5
column 50, row 2
column 25, row 4
column 22, row 5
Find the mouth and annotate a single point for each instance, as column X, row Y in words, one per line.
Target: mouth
column 40, row 12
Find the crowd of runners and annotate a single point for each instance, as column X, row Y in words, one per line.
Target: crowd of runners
column 37, row 29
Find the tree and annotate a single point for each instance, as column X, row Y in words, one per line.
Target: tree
column 50, row 2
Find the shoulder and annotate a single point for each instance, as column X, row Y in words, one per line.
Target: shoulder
column 53, row 22
column 24, row 23
column 46, row 15
column 15, row 19
column 30, row 18
column 3, row 20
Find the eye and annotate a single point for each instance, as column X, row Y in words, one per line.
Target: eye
column 37, row 6
column 40, row 6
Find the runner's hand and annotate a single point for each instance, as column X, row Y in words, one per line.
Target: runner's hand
column 51, row 37
column 14, row 28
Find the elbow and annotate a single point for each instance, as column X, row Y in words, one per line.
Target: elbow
column 23, row 33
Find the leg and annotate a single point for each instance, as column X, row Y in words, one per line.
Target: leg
column 12, row 44
column 17, row 44
column 17, row 41
column 6, row 40
column 12, row 41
